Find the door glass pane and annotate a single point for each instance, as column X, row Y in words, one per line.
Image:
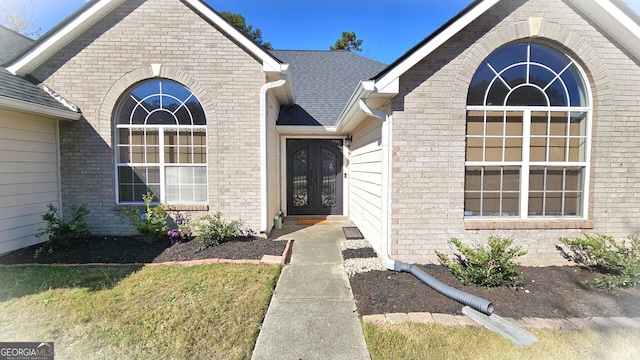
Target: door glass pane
column 300, row 183
column 329, row 174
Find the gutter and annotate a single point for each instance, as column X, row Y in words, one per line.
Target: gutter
column 473, row 301
column 263, row 151
column 38, row 109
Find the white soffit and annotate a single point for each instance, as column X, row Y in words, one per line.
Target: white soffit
column 615, row 21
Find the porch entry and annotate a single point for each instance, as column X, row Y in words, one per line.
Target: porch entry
column 314, row 177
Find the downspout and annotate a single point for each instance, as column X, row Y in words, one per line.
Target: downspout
column 263, row 151
column 462, row 297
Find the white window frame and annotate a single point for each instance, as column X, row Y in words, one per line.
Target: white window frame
column 525, row 164
column 161, row 164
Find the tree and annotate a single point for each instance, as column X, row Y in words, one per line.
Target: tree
column 348, row 42
column 19, row 18
column 239, row 22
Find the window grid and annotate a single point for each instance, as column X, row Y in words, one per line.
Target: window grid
column 169, row 137
column 558, row 152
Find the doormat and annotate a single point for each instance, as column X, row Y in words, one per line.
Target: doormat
column 352, row 233
column 313, row 222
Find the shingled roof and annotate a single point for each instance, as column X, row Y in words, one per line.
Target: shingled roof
column 11, row 44
column 323, row 83
column 16, row 91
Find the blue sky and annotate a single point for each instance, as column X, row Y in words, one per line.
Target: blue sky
column 388, row 28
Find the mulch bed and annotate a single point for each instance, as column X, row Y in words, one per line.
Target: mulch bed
column 546, row 292
column 131, row 249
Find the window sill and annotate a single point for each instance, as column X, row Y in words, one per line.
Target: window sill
column 528, row 224
column 168, row 207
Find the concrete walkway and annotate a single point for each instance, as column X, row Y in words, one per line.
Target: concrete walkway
column 312, row 314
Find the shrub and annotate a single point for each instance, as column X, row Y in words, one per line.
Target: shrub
column 491, row 267
column 618, row 262
column 211, row 230
column 152, row 223
column 61, row 233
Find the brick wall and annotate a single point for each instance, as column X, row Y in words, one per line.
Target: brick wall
column 117, row 52
column 429, row 136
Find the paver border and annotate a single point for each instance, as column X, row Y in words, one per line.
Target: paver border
column 535, row 323
column 266, row 260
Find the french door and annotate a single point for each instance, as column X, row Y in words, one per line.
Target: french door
column 314, row 177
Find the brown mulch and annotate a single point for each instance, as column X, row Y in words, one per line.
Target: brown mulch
column 132, row 249
column 546, row 292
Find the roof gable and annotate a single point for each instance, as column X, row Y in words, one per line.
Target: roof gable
column 73, row 26
column 612, row 16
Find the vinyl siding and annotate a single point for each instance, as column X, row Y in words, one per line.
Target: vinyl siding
column 365, row 182
column 28, row 177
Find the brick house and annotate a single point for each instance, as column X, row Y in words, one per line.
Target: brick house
column 510, row 119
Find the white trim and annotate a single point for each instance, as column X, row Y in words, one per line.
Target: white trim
column 269, row 63
column 306, row 129
column 264, row 176
column 38, row 55
column 525, row 168
column 385, row 207
column 56, row 41
column 620, row 16
column 434, row 43
column 59, row 167
column 38, row 109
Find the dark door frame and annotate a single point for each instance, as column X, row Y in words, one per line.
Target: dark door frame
column 315, row 177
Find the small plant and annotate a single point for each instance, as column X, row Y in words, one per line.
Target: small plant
column 619, row 262
column 152, row 223
column 490, row 267
column 61, row 233
column 211, row 230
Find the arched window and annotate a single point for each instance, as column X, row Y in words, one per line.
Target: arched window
column 528, row 135
column 161, row 144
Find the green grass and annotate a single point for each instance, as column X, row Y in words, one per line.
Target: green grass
column 433, row 341
column 166, row 312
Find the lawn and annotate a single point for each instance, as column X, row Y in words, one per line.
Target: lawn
column 198, row 312
column 434, row 341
